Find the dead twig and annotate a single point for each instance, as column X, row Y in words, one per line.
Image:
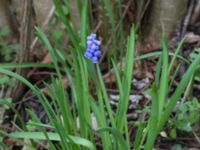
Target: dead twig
column 13, row 23
column 46, row 22
column 110, row 39
column 25, row 42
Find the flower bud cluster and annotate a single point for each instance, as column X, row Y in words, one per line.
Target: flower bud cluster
column 92, row 51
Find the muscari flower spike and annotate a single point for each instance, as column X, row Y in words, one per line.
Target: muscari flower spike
column 92, row 52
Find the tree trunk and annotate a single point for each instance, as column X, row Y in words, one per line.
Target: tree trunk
column 164, row 16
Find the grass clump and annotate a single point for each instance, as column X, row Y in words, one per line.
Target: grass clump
column 72, row 114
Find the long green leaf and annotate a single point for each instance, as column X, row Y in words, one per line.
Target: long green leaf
column 53, row 137
column 84, row 23
column 180, row 89
column 164, row 78
column 153, row 120
column 152, row 54
column 106, row 99
column 25, row 65
column 126, row 81
column 106, row 140
column 117, row 136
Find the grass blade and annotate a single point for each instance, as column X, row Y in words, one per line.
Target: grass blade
column 52, row 136
column 164, row 78
column 84, row 23
column 106, row 99
column 126, row 81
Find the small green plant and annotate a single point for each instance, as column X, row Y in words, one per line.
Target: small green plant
column 7, row 49
column 187, row 114
column 5, row 82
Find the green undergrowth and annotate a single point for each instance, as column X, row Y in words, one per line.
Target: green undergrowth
column 72, row 114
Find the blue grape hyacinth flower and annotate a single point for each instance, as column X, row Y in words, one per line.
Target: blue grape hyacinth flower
column 92, row 52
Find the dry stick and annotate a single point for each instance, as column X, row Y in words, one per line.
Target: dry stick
column 110, row 39
column 142, row 15
column 46, row 22
column 196, row 13
column 98, row 26
column 25, row 42
column 187, row 91
column 183, row 30
column 13, row 23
